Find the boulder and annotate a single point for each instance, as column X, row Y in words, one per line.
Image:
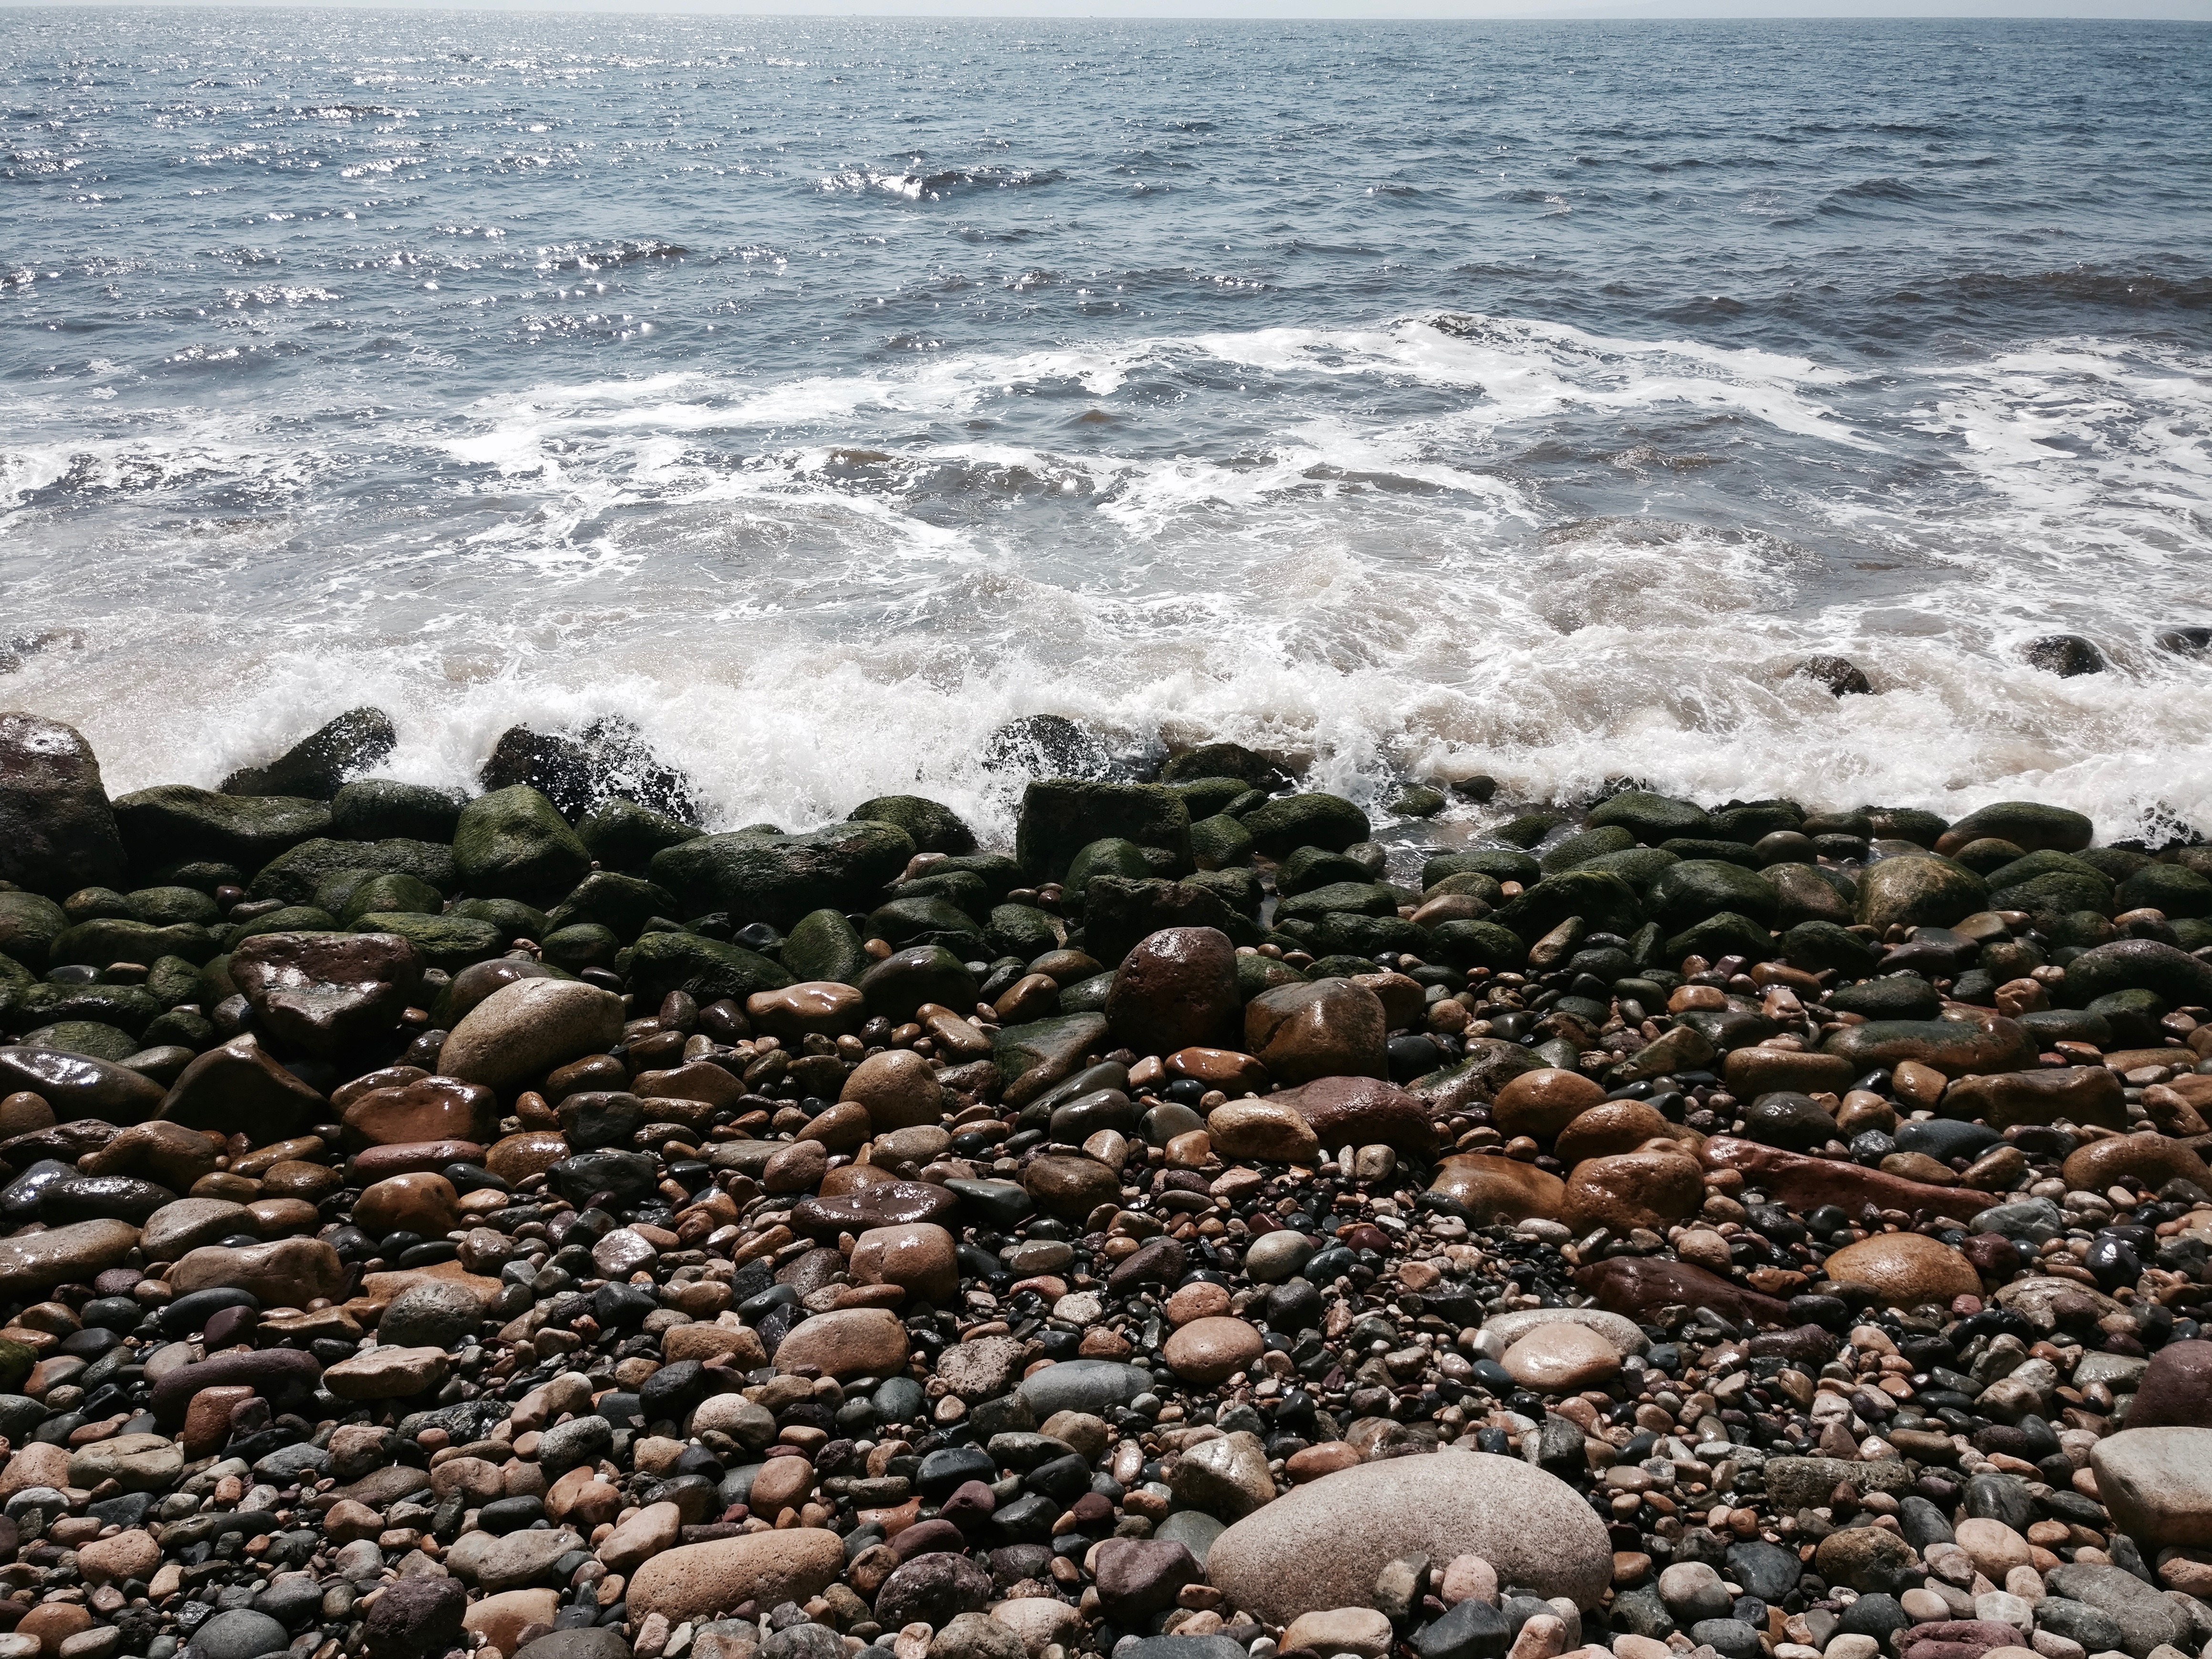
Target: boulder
column 779, row 879
column 317, row 766
column 57, row 833
column 523, row 1029
column 327, row 995
column 1328, row 1028
column 1176, row 988
column 514, row 843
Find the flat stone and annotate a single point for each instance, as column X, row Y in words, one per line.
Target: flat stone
column 1322, row 1544
column 702, row 1580
column 382, row 1373
column 2157, row 1483
column 516, row 1561
column 33, row 1262
column 1560, row 1357
column 1492, row 1190
column 286, row 1273
column 1626, row 1336
column 1905, row 1270
column 851, row 1342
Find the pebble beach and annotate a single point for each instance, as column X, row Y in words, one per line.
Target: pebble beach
column 530, row 1224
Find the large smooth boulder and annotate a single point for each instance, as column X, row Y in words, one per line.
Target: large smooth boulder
column 704, row 968
column 240, row 1087
column 1329, row 1028
column 1176, row 989
column 317, row 766
column 2157, row 1485
column 175, row 824
column 1917, row 891
column 57, row 833
column 522, row 1030
column 700, row 1580
column 1322, row 1544
column 1059, row 817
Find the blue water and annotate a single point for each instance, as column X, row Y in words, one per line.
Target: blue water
column 1407, row 400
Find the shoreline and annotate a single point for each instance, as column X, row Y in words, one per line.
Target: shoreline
column 532, row 1223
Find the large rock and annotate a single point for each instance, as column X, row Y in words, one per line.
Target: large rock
column 850, row 1342
column 1034, row 1056
column 29, row 925
column 1990, row 1043
column 522, row 1030
column 1175, row 989
column 317, row 766
column 1690, row 892
column 1643, row 1189
column 1492, row 1189
column 2157, row 1485
column 698, row 1581
column 57, row 831
column 1639, row 1286
column 1360, row 1111
column 1904, row 1270
column 1119, row 912
column 1329, row 1028
column 2137, row 965
column 778, row 879
column 2176, row 1390
column 1804, row 1183
column 2028, row 825
column 79, row 1086
column 174, row 824
column 1283, row 825
column 238, row 1086
column 31, row 1263
column 513, row 843
column 2074, row 1094
column 1059, row 817
column 705, row 969
column 327, row 995
column 1322, row 1544
column 2147, row 1619
column 295, row 875
column 285, row 1273
column 1916, row 892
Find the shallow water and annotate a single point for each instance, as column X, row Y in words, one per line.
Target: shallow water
column 1409, row 399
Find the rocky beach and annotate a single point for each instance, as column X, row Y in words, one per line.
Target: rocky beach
column 1228, row 1222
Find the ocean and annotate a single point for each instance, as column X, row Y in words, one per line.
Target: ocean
column 1407, row 400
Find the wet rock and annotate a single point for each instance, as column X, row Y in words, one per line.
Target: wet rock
column 31, row 1263
column 1176, row 989
column 1328, row 1029
column 286, row 1273
column 2063, row 654
column 319, row 764
column 1357, row 1111
column 1490, row 1190
column 525, row 1029
column 1651, row 1188
column 57, row 833
column 240, row 1087
column 327, row 995
column 1904, row 1270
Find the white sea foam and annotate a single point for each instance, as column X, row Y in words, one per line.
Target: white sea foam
column 1495, row 545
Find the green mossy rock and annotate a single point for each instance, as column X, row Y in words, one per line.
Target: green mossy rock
column 824, row 946
column 1017, row 930
column 1605, row 903
column 1581, row 850
column 97, row 903
column 128, row 1007
column 1650, row 819
column 1814, row 946
column 1111, row 856
column 621, row 834
column 292, row 919
column 2056, row 894
column 2024, row 823
column 904, row 980
column 932, row 826
column 706, row 968
column 1499, row 863
column 29, row 925
column 1032, row 1057
column 84, row 1037
column 174, row 822
column 961, row 889
column 513, row 918
column 1907, row 824
column 1918, row 892
column 584, row 945
column 1087, row 996
column 2137, row 965
column 1349, row 933
column 1723, row 933
column 1467, row 944
column 1639, row 867
column 2165, row 887
column 1256, row 973
column 167, row 907
column 1219, row 841
column 1365, row 898
column 1748, row 823
column 1477, row 884
column 1893, row 996
column 1240, row 889
column 1311, row 867
column 296, row 876
column 449, row 942
column 514, row 843
column 173, row 980
column 380, row 809
column 624, row 904
column 999, row 873
column 1206, row 797
column 217, row 986
column 1117, row 913
column 1061, row 817
column 1806, row 893
column 1713, row 852
column 2026, row 868
column 110, row 939
column 779, row 878
column 1314, row 819
column 390, row 890
column 927, row 921
column 1217, row 760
